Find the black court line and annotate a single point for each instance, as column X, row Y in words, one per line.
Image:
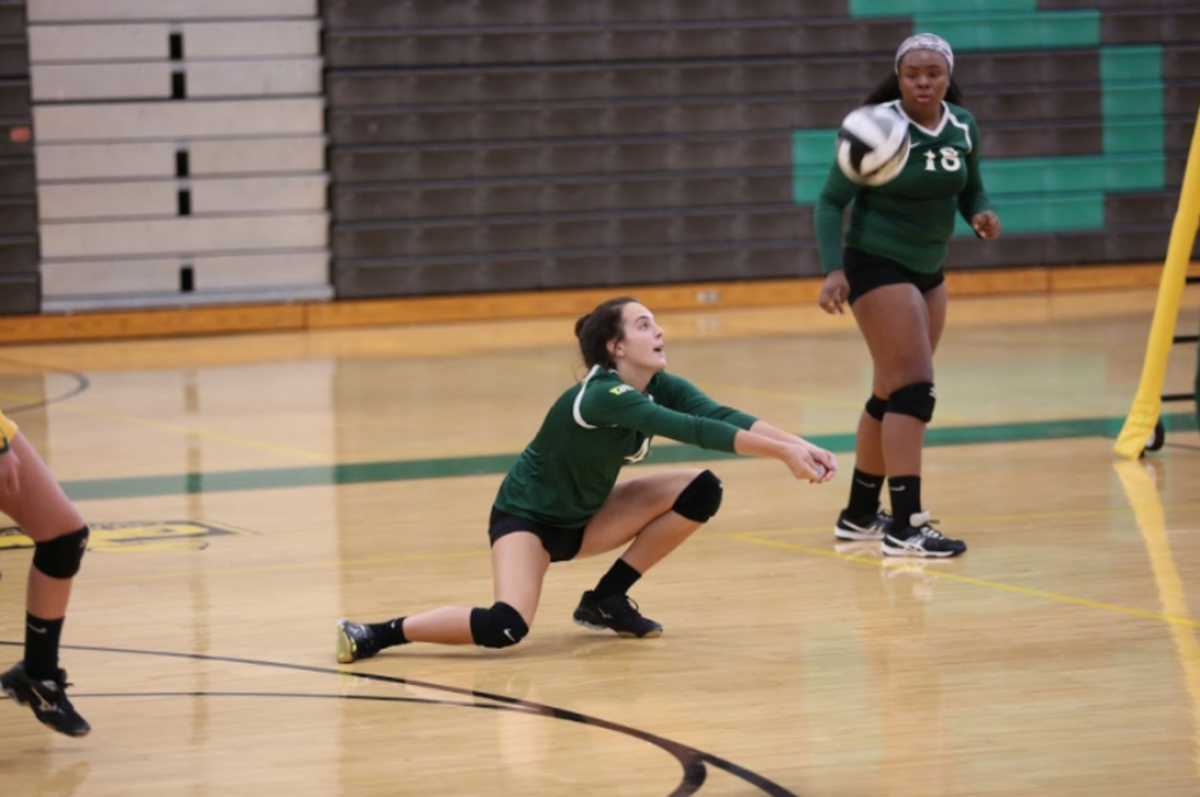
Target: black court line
column 82, row 383
column 692, row 761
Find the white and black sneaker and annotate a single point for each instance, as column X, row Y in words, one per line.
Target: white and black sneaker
column 869, row 528
column 921, row 539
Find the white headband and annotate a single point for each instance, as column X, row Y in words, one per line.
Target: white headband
column 925, row 41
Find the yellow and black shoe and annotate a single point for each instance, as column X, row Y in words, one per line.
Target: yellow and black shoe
column 355, row 641
column 616, row 612
column 47, row 697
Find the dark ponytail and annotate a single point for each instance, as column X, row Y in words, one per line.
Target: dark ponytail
column 596, row 329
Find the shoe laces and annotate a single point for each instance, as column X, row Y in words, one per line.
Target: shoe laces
column 922, row 524
column 926, row 529
column 58, row 683
column 625, row 606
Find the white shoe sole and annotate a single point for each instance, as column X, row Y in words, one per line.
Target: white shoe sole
column 857, row 535
column 920, row 553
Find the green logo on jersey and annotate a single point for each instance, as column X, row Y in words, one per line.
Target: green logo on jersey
column 619, row 389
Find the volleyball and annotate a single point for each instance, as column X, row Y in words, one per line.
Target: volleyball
column 872, row 145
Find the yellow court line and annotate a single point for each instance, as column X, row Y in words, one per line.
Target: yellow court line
column 980, row 582
column 184, row 574
column 185, row 430
column 1142, row 493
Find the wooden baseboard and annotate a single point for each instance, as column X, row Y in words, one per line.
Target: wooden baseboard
column 173, row 322
column 229, row 319
column 534, row 304
column 992, row 282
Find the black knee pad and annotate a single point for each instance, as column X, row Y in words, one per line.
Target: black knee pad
column 60, row 557
column 876, row 407
column 501, row 626
column 701, row 499
column 916, row 400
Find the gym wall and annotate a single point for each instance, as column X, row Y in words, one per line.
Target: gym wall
column 209, row 151
column 180, row 152
column 20, row 291
column 531, row 144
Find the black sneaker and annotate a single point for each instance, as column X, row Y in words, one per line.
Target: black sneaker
column 867, row 527
column 355, row 641
column 921, row 539
column 617, row 612
column 48, row 699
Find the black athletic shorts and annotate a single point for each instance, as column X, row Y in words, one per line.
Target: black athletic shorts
column 866, row 272
column 562, row 544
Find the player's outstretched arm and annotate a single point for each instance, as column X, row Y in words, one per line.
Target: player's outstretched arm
column 796, row 456
column 825, row 459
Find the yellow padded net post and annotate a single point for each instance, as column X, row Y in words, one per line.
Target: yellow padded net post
column 1147, row 404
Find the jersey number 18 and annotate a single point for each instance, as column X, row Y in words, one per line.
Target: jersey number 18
column 951, row 162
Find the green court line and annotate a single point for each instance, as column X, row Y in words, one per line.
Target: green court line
column 496, row 464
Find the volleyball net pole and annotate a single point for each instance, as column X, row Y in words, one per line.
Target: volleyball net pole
column 1147, row 403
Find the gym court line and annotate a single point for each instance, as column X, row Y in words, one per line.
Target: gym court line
column 758, row 538
column 403, row 470
column 496, row 464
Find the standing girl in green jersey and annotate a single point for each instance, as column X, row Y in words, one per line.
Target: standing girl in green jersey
column 890, row 273
column 562, row 501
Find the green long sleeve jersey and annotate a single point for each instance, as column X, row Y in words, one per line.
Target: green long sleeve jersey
column 597, row 427
column 910, row 219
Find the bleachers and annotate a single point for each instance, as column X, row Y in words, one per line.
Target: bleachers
column 503, row 146
column 1168, row 23
column 557, row 157
column 19, row 280
column 343, row 14
column 180, row 152
column 480, row 146
column 192, row 151
column 674, row 40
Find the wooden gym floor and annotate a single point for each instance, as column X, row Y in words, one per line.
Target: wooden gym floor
column 246, row 491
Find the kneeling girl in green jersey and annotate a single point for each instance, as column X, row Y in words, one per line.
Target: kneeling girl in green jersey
column 562, row 501
column 890, row 273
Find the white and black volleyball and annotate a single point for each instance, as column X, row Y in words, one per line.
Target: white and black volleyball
column 872, row 145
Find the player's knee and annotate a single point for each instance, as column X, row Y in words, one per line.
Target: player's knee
column 916, row 400
column 501, row 626
column 876, row 407
column 61, row 556
column 701, row 499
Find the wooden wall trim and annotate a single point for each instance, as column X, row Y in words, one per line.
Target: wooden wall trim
column 228, row 319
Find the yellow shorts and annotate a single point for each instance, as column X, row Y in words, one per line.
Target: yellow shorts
column 7, row 427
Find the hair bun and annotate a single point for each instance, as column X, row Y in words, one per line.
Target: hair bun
column 583, row 319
